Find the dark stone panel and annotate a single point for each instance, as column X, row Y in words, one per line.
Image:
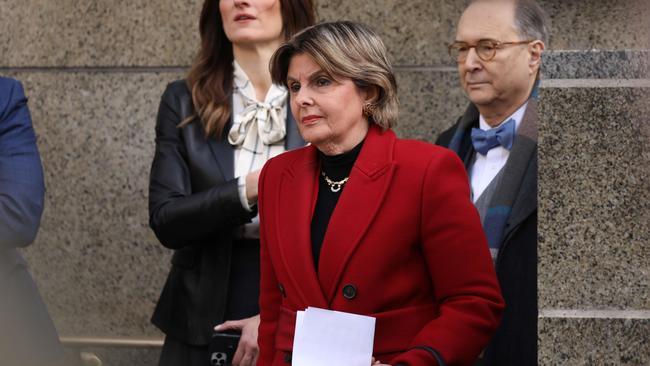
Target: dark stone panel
column 594, row 198
column 624, row 64
column 594, row 342
column 598, row 24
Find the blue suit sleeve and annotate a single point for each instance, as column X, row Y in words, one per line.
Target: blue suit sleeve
column 22, row 186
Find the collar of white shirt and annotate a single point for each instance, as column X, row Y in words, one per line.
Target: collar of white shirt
column 485, row 168
column 517, row 116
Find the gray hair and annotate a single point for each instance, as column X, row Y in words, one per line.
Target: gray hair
column 531, row 21
column 348, row 50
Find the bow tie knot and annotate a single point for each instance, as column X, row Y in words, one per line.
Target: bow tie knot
column 503, row 135
column 270, row 127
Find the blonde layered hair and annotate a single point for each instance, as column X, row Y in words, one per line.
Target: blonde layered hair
column 345, row 50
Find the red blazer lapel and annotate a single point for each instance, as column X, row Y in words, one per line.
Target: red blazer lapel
column 297, row 197
column 357, row 206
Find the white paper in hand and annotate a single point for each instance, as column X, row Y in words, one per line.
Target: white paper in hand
column 325, row 338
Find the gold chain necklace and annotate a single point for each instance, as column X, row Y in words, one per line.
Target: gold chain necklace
column 334, row 186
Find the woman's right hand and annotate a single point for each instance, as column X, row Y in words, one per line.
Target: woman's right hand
column 247, row 350
column 251, row 186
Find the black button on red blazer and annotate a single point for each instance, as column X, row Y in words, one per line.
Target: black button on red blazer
column 404, row 234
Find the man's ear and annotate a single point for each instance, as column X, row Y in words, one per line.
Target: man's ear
column 535, row 49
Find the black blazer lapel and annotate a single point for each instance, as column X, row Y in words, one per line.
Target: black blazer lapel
column 223, row 152
column 467, row 150
column 461, row 141
column 526, row 200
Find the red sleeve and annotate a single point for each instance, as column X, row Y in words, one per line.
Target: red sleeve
column 460, row 267
column 270, row 298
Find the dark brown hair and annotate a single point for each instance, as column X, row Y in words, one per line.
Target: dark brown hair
column 211, row 76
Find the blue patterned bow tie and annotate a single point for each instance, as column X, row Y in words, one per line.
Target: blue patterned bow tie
column 503, row 135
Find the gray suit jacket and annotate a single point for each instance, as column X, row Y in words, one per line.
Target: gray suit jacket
column 515, row 342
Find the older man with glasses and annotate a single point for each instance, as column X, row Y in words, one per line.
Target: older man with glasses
column 498, row 50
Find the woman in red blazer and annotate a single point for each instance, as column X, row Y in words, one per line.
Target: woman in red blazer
column 363, row 222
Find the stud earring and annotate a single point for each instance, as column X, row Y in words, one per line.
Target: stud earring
column 368, row 110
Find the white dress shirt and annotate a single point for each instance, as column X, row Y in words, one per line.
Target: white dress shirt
column 253, row 153
column 486, row 167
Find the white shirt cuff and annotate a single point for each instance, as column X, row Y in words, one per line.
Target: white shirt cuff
column 241, row 185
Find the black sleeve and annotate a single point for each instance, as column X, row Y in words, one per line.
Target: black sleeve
column 178, row 216
column 445, row 137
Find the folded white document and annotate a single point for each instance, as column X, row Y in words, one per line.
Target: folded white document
column 325, row 338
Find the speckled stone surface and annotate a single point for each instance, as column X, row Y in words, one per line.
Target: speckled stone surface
column 594, row 194
column 97, row 263
column 622, row 64
column 98, row 33
column 414, row 32
column 118, row 356
column 594, row 342
column 40, row 33
column 430, row 102
column 598, row 24
column 100, row 269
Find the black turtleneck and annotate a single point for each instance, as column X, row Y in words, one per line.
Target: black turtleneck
column 336, row 167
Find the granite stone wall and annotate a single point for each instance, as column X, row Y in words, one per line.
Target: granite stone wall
column 594, row 234
column 94, row 73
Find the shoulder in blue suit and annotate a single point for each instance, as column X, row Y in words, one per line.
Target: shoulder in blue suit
column 21, row 175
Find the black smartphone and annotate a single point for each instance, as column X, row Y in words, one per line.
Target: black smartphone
column 222, row 348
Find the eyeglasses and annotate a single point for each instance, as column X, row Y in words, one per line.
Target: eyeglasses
column 486, row 49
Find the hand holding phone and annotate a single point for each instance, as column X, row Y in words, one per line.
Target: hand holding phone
column 246, row 351
column 222, row 348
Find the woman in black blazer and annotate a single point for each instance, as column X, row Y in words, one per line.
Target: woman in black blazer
column 214, row 131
